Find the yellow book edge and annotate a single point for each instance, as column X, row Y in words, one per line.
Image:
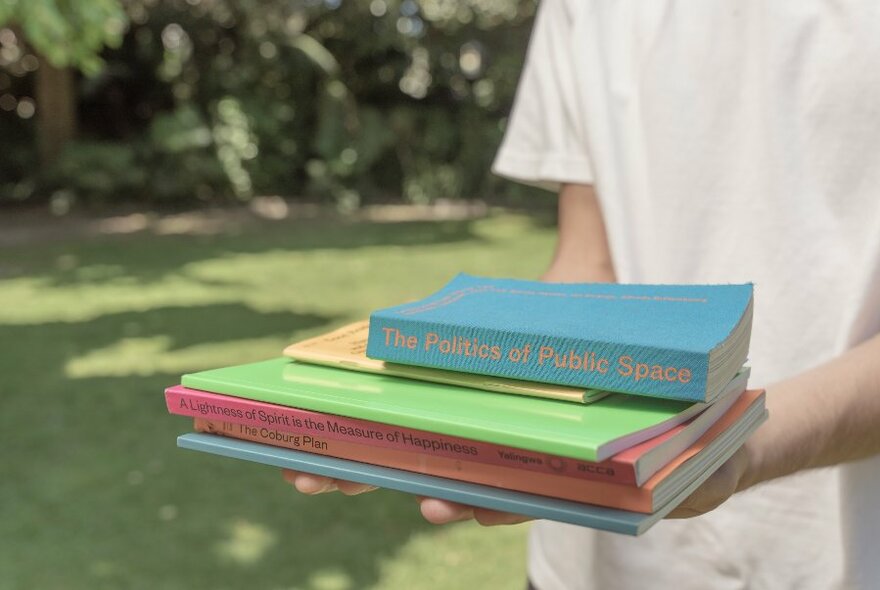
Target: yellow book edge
column 345, row 348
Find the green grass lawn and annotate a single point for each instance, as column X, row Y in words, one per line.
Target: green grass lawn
column 93, row 492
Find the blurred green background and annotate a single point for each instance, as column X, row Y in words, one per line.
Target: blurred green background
column 186, row 184
column 215, row 101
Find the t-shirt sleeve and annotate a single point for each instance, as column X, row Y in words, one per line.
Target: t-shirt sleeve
column 545, row 143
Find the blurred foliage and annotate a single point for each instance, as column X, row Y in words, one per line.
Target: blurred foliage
column 67, row 33
column 213, row 100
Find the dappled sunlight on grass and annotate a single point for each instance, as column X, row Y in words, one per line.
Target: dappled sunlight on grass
column 37, row 300
column 125, row 357
column 246, row 542
column 329, row 579
column 148, row 356
column 93, row 330
column 271, row 279
column 436, row 558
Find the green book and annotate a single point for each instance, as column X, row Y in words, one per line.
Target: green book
column 591, row 432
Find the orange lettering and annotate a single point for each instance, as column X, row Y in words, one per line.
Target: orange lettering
column 431, row 338
column 625, row 369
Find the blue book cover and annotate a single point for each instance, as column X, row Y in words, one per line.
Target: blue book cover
column 674, row 341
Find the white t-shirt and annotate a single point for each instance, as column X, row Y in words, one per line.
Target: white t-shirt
column 729, row 141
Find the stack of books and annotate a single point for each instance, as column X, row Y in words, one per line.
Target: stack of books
column 601, row 405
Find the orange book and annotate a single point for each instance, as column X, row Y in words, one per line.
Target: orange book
column 743, row 417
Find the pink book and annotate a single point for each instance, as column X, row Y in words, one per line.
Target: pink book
column 729, row 430
column 632, row 466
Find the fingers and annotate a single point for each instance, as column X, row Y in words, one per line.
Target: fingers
column 308, row 483
column 443, row 512
column 433, row 510
column 352, row 488
column 715, row 490
column 684, row 512
column 438, row 511
column 707, row 497
column 487, row 517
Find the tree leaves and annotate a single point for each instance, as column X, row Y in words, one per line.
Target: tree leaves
column 68, row 32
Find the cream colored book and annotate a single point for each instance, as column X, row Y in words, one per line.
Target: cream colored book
column 346, row 347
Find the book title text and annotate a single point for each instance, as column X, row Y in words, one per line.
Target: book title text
column 544, row 356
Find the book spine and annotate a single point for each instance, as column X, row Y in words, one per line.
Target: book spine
column 641, row 370
column 261, row 415
column 556, row 486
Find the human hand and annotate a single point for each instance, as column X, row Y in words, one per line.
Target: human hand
column 722, row 484
column 311, row 484
column 718, row 487
column 730, row 478
column 434, row 510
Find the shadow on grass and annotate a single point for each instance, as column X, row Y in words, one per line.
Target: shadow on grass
column 93, row 480
column 93, row 484
column 97, row 260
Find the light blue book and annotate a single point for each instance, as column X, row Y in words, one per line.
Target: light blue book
column 673, row 341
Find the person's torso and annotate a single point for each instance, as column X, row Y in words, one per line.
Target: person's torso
column 740, row 142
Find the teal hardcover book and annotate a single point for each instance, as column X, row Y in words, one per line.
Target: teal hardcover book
column 675, row 341
column 591, row 432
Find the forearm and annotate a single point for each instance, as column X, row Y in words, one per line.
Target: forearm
column 825, row 416
column 582, row 252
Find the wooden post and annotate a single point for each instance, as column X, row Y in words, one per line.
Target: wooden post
column 56, row 109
